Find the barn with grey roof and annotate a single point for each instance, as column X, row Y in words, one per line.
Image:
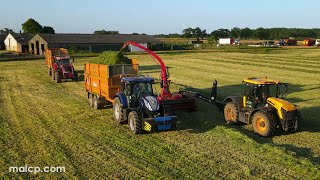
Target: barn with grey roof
column 86, row 42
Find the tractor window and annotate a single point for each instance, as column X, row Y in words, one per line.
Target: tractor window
column 282, row 90
column 142, row 88
column 63, row 61
column 249, row 90
column 272, row 90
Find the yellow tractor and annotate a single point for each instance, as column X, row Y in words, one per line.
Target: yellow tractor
column 263, row 106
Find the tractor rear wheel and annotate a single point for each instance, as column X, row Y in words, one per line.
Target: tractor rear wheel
column 231, row 113
column 57, row 76
column 263, row 123
column 135, row 123
column 117, row 111
column 53, row 74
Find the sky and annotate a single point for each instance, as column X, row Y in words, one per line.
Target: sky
column 159, row 17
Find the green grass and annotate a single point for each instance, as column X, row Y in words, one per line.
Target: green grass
column 47, row 124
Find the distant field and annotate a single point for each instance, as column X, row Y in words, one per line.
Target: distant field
column 244, row 41
column 47, row 124
column 178, row 40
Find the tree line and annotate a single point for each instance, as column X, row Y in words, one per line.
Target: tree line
column 246, row 33
column 31, row 26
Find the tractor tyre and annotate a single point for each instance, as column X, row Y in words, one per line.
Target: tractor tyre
column 117, row 111
column 53, row 74
column 57, row 76
column 96, row 104
column 231, row 113
column 297, row 122
column 263, row 123
column 135, row 123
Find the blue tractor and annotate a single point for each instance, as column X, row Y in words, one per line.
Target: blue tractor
column 137, row 105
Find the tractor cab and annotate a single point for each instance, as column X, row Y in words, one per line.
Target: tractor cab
column 258, row 90
column 136, row 88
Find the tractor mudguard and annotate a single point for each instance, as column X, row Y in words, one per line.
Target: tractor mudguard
column 236, row 99
column 262, row 109
column 123, row 99
column 55, row 66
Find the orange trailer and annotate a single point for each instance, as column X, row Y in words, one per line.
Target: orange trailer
column 102, row 82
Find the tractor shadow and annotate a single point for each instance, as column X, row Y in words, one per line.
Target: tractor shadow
column 80, row 75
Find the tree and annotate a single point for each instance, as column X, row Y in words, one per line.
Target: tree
column 246, row 33
column 48, row 30
column 31, row 26
column 197, row 31
column 203, row 34
column 104, row 32
column 262, row 33
column 5, row 31
column 221, row 33
column 187, row 33
column 235, row 32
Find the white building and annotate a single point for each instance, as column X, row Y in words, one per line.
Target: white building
column 17, row 42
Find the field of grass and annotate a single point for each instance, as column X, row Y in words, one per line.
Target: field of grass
column 47, row 124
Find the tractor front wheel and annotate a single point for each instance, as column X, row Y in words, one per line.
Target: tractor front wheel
column 117, row 111
column 135, row 123
column 57, row 76
column 231, row 113
column 263, row 123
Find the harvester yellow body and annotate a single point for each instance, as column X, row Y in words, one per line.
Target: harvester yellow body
column 262, row 106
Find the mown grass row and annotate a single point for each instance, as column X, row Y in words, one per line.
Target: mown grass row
column 44, row 123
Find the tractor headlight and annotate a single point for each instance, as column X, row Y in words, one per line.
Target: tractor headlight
column 148, row 106
column 151, row 103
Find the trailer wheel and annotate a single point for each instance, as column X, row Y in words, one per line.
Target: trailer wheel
column 57, row 76
column 263, row 123
column 135, row 123
column 231, row 113
column 117, row 111
column 96, row 104
column 90, row 98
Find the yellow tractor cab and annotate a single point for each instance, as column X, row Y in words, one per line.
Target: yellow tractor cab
column 263, row 106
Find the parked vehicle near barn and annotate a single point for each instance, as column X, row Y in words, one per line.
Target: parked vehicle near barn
column 59, row 66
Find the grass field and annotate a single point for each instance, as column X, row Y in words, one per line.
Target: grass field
column 47, row 124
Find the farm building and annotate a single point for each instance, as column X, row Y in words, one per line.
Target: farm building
column 87, row 42
column 17, row 42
